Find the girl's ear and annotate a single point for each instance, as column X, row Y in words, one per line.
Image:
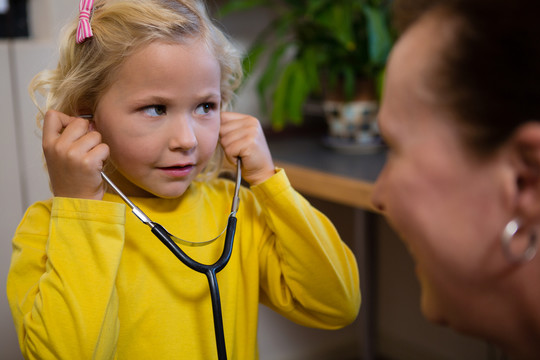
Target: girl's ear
column 526, row 146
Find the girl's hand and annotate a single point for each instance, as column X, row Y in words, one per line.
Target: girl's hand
column 75, row 155
column 242, row 136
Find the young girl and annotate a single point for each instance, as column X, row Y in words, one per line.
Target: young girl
column 87, row 279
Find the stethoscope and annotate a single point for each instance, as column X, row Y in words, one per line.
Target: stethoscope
column 209, row 270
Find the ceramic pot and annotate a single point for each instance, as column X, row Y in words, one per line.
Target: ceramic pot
column 352, row 124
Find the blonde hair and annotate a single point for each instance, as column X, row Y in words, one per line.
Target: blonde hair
column 120, row 28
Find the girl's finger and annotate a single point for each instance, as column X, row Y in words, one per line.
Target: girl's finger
column 53, row 124
column 58, row 126
column 87, row 142
column 99, row 154
column 76, row 129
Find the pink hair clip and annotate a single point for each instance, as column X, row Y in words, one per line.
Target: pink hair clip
column 84, row 30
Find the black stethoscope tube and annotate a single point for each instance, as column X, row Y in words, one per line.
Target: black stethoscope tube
column 210, row 272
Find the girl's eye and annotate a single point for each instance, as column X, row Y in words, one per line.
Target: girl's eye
column 155, row 110
column 205, row 108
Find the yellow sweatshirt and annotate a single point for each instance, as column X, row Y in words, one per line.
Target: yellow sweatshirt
column 88, row 280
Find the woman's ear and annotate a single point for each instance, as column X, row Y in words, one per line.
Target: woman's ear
column 525, row 144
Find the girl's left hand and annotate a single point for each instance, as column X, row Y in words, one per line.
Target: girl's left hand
column 242, row 136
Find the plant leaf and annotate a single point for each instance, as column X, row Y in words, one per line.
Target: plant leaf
column 310, row 60
column 380, row 40
column 270, row 73
column 279, row 114
column 297, row 93
column 349, row 82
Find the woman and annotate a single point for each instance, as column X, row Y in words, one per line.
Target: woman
column 461, row 116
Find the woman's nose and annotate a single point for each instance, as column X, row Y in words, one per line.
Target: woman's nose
column 182, row 134
column 377, row 195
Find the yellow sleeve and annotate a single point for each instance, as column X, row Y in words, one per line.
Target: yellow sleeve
column 307, row 273
column 61, row 282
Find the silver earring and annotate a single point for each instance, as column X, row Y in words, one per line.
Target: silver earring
column 508, row 236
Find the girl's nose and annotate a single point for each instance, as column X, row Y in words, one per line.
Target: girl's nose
column 182, row 134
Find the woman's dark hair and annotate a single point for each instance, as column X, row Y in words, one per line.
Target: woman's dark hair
column 488, row 75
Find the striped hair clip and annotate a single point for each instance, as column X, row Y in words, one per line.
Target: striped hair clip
column 84, row 30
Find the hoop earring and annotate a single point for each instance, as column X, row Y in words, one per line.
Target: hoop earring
column 507, row 237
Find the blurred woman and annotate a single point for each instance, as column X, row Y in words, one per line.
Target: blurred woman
column 461, row 117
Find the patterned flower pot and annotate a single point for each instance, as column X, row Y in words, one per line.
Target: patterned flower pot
column 352, row 125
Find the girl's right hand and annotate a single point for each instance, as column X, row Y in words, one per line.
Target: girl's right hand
column 75, row 156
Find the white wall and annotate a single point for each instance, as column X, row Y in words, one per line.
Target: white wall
column 11, row 204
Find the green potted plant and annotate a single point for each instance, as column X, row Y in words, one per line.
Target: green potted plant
column 335, row 50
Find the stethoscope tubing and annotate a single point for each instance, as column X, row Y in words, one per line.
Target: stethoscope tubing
column 210, row 271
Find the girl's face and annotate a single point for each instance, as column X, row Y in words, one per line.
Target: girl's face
column 448, row 207
column 161, row 118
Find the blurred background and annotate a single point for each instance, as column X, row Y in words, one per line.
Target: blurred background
column 28, row 42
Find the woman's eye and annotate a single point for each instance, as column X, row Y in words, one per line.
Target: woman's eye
column 205, row 108
column 155, row 110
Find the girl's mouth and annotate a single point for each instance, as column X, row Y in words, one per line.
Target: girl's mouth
column 177, row 170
